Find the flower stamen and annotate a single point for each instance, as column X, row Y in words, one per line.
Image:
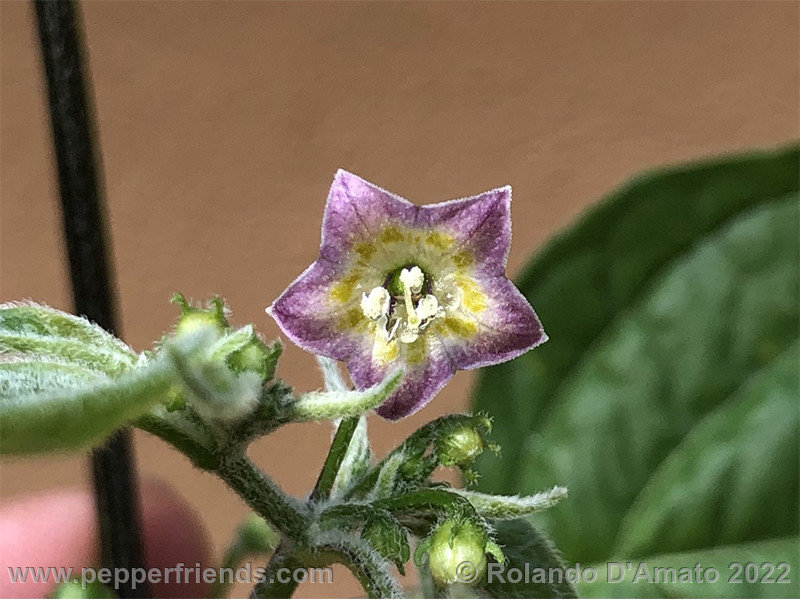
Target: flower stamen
column 375, row 304
column 412, row 316
column 427, row 307
column 412, row 279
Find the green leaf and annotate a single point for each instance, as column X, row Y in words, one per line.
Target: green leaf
column 389, row 538
column 666, row 398
column 63, row 419
column 718, row 485
column 526, row 550
column 44, row 333
column 765, row 569
column 40, row 412
column 21, row 377
column 492, row 506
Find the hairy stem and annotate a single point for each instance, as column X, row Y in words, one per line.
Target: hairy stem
column 362, row 560
column 286, row 514
column 292, row 518
column 183, row 436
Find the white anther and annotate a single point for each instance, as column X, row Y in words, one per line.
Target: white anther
column 376, row 304
column 412, row 317
column 412, row 279
column 427, row 307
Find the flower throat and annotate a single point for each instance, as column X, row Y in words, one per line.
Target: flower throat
column 399, row 306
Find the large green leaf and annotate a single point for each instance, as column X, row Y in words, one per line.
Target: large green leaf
column 766, row 569
column 529, row 557
column 667, row 397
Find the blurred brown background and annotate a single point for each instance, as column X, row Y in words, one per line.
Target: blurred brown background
column 222, row 124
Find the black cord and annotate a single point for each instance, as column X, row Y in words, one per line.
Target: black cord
column 93, row 293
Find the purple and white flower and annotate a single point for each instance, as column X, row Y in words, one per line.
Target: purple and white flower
column 422, row 288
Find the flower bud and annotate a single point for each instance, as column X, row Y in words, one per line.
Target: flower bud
column 457, row 553
column 256, row 357
column 257, row 535
column 461, row 446
column 194, row 318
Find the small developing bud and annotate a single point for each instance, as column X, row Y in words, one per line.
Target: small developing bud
column 461, row 446
column 257, row 535
column 224, row 377
column 256, row 357
column 457, row 553
column 194, row 318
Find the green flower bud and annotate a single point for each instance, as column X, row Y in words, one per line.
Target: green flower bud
column 460, row 446
column 457, row 553
column 256, row 357
column 194, row 318
column 257, row 535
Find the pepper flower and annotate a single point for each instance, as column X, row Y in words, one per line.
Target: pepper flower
column 421, row 288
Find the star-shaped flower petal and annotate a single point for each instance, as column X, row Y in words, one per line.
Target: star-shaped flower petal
column 422, row 288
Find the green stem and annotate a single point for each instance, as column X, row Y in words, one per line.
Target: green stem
column 336, row 454
column 283, row 562
column 182, row 435
column 362, row 560
column 286, row 514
